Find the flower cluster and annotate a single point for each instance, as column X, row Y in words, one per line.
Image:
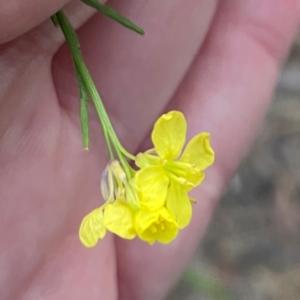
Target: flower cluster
column 152, row 202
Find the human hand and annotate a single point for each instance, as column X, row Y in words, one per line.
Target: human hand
column 48, row 183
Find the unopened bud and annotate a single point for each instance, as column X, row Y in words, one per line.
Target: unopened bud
column 118, row 172
column 107, row 184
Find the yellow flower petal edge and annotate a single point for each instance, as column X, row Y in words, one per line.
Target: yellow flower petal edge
column 198, row 152
column 118, row 218
column 147, row 159
column 92, row 228
column 152, row 226
column 168, row 135
column 179, row 204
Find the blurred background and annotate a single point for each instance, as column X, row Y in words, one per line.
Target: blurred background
column 252, row 248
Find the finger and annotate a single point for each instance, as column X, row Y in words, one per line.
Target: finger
column 17, row 17
column 226, row 92
column 42, row 40
column 32, row 105
column 26, row 63
column 136, row 76
column 82, row 274
column 125, row 68
column 30, row 131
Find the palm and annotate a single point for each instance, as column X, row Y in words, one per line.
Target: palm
column 48, row 183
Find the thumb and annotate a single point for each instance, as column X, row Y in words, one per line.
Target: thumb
column 17, row 17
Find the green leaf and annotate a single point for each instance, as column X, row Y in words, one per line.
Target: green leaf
column 54, row 20
column 84, row 111
column 111, row 13
column 88, row 84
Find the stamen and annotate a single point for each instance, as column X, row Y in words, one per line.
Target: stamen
column 153, row 229
column 162, row 226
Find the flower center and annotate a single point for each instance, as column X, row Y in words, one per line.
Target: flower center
column 176, row 167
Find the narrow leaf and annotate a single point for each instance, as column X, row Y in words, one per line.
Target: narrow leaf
column 111, row 13
column 55, row 20
column 84, row 111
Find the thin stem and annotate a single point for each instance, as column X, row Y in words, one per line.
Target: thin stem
column 114, row 137
column 84, row 111
column 128, row 170
column 111, row 13
column 72, row 41
column 108, row 144
column 89, row 85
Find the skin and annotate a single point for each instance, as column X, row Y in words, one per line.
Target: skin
column 216, row 62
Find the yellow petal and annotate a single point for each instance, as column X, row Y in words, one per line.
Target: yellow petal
column 184, row 173
column 198, row 152
column 143, row 221
column 141, row 160
column 179, row 204
column 152, row 185
column 171, row 228
column 118, row 218
column 193, row 178
column 132, row 198
column 157, row 225
column 144, row 160
column 168, row 135
column 92, row 228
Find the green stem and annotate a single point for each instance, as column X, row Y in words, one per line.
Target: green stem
column 111, row 13
column 89, row 85
column 114, row 137
column 84, row 111
column 72, row 41
column 54, row 20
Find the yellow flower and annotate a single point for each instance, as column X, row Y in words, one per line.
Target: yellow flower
column 116, row 214
column 152, row 203
column 118, row 218
column 166, row 176
column 157, row 225
column 92, row 228
column 152, row 186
